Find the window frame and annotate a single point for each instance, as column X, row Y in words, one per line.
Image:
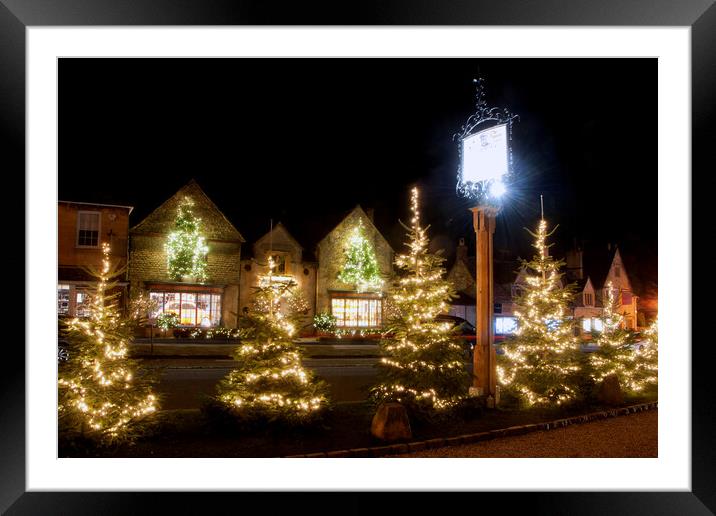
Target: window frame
column 358, row 299
column 77, row 229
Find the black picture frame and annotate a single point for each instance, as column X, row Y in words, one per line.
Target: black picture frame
column 700, row 15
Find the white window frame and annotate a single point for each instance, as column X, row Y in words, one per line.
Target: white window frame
column 99, row 229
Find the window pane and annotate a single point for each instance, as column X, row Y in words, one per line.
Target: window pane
column 203, row 309
column 338, row 311
column 88, row 229
column 63, row 299
column 188, row 309
column 597, row 323
column 216, row 309
column 587, row 324
column 82, row 304
column 171, row 302
column 158, row 298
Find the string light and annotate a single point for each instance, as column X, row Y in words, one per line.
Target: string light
column 541, row 359
column 422, row 363
column 186, row 247
column 270, row 381
column 98, row 396
column 361, row 265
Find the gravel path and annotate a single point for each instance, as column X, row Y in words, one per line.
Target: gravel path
column 634, row 435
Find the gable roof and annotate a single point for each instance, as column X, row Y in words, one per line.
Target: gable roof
column 157, row 222
column 364, row 216
column 278, row 227
column 596, row 263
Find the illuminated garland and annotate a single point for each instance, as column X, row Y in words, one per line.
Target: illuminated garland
column 422, row 364
column 185, row 247
column 540, row 361
column 615, row 354
column 270, row 382
column 361, row 265
column 99, row 396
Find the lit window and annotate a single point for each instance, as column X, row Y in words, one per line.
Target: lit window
column 193, row 308
column 357, row 312
column 63, row 299
column 82, row 303
column 279, row 261
column 505, row 325
column 88, row 229
column 597, row 324
column 587, row 324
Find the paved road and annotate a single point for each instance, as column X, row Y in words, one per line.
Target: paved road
column 185, row 382
column 634, row 435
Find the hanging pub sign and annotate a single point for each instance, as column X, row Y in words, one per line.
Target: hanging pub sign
column 485, row 152
column 485, row 155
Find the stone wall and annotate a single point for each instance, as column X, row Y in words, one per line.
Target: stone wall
column 331, row 257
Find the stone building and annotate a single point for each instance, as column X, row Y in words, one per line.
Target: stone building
column 82, row 228
column 352, row 309
column 214, row 302
column 287, row 256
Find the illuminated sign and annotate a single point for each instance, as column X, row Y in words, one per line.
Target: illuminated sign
column 485, row 155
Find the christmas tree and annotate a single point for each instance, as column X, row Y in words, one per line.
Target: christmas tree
column 646, row 373
column 614, row 354
column 539, row 363
column 99, row 394
column 361, row 266
column 185, row 247
column 422, row 365
column 270, row 382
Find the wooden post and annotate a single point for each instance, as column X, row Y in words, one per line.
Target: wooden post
column 484, row 361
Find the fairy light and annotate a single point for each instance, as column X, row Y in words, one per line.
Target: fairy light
column 270, row 380
column 636, row 369
column 422, row 363
column 97, row 392
column 361, row 265
column 540, row 359
column 185, row 247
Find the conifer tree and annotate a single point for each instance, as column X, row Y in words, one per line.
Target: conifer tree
column 422, row 365
column 613, row 355
column 647, row 366
column 539, row 363
column 186, row 247
column 270, row 383
column 100, row 396
column 361, row 265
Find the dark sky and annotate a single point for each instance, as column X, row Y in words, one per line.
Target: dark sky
column 305, row 140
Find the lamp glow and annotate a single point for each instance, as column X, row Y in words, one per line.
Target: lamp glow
column 498, row 189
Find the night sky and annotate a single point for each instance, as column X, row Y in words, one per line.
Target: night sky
column 303, row 141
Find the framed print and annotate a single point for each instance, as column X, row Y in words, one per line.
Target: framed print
column 219, row 154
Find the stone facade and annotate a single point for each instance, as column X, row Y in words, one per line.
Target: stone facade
column 330, row 253
column 288, row 255
column 148, row 260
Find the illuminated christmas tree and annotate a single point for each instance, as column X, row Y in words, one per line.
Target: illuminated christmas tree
column 540, row 362
column 185, row 247
column 361, row 265
column 99, row 394
column 422, row 365
column 647, row 361
column 270, row 382
column 614, row 354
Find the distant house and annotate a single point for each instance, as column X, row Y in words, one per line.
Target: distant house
column 214, row 302
column 287, row 255
column 352, row 309
column 592, row 271
column 82, row 229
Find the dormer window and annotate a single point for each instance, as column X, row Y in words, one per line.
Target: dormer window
column 588, row 299
column 280, row 261
column 617, row 271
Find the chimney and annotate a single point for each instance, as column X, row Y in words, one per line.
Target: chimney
column 575, row 266
column 371, row 213
column 461, row 253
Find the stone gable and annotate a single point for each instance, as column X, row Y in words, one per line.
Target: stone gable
column 215, row 226
column 331, row 257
